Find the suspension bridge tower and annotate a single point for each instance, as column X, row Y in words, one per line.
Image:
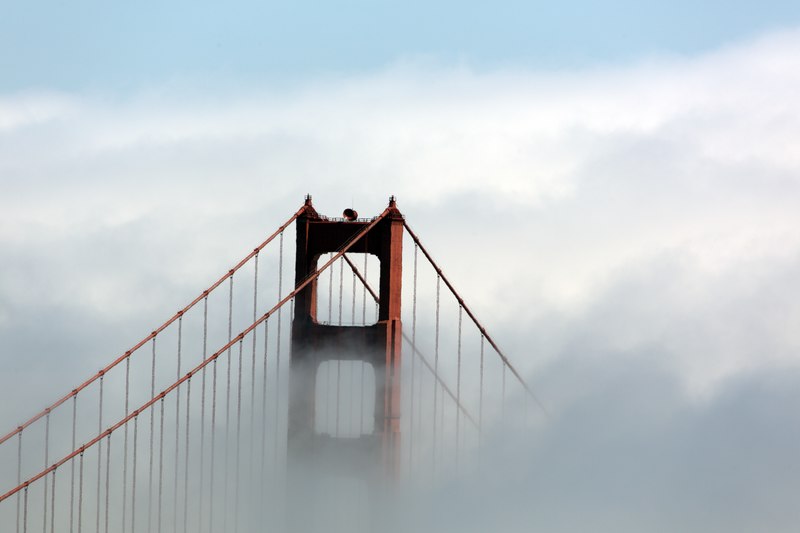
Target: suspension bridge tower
column 372, row 455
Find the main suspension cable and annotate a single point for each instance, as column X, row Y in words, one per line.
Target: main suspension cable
column 474, row 319
column 414, row 347
column 300, row 286
column 161, row 328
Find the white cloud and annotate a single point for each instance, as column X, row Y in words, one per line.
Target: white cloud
column 644, row 213
column 598, row 169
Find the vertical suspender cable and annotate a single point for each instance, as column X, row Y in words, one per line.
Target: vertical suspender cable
column 251, row 470
column 19, row 474
column 442, row 427
column 364, row 323
column 364, row 292
column 458, row 383
column 133, row 473
column 338, row 361
column 264, row 412
column 353, row 309
column 503, row 406
column 201, row 492
column 177, row 430
column 352, row 367
column 238, row 440
column 151, row 454
column 186, row 457
column 413, row 360
column 328, row 366
column 46, row 460
column 213, row 431
column 480, row 393
column 108, row 482
column 80, row 492
column 525, row 402
column 341, row 288
column 160, row 497
column 330, row 296
column 436, row 368
column 25, row 512
column 53, row 504
column 99, row 457
column 278, row 354
column 227, row 408
column 72, row 463
column 361, row 409
column 125, row 445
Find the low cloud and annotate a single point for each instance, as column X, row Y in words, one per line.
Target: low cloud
column 642, row 220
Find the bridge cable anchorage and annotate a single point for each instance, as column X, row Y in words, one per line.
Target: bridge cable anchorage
column 161, row 328
column 160, row 397
column 474, row 319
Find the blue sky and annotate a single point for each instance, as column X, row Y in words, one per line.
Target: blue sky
column 118, row 46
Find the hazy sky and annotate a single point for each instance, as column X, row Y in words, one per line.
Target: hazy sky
column 631, row 170
column 92, row 45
